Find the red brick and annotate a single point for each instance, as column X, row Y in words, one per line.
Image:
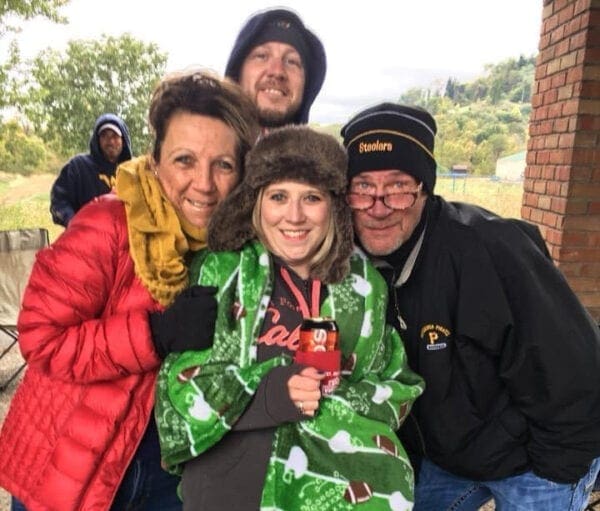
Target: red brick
column 580, row 6
column 548, row 173
column 544, row 84
column 587, row 285
column 584, row 139
column 589, row 72
column 561, row 48
column 590, row 269
column 592, row 240
column 553, row 189
column 568, row 61
column 542, row 157
column 552, row 141
column 575, row 239
column 566, row 92
column 575, row 74
column 594, row 208
column 566, row 13
column 592, row 36
column 581, row 254
column 566, row 140
column 563, row 173
column 583, row 156
column 551, row 96
column 561, row 125
column 571, row 269
column 537, row 100
column 581, row 174
column 584, row 191
column 560, row 156
column 530, row 199
column 589, row 106
column 553, row 65
column 550, row 23
column 583, row 222
column 554, row 237
column 544, row 202
column 570, row 107
column 558, row 205
column 576, row 207
column 592, row 55
column 551, row 219
column 577, row 40
column 536, row 216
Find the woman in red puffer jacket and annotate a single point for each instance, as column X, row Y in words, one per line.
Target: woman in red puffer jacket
column 108, row 300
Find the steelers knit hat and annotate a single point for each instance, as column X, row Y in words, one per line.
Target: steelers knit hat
column 392, row 136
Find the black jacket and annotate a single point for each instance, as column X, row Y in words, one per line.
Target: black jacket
column 510, row 357
column 86, row 176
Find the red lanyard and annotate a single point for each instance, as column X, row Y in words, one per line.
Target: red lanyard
column 315, row 295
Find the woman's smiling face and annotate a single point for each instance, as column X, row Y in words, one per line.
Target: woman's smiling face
column 198, row 165
column 294, row 219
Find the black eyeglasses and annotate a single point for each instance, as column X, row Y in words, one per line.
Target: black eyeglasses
column 398, row 201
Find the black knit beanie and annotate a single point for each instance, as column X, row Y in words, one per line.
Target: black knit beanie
column 392, row 136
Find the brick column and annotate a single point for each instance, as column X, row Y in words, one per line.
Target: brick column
column 562, row 177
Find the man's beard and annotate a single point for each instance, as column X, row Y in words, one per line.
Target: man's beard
column 274, row 118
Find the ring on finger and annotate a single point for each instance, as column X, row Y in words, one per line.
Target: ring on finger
column 300, row 406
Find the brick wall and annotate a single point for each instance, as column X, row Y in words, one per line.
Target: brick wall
column 562, row 177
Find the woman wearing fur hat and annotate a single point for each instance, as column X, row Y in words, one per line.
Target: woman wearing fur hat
column 108, row 301
column 248, row 426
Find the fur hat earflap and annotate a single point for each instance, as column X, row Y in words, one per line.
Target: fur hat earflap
column 294, row 153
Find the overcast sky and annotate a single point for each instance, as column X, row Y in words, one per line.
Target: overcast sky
column 375, row 49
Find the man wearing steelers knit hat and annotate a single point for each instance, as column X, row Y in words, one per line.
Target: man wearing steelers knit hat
column 510, row 357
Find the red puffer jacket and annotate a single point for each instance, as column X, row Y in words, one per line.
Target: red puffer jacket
column 86, row 398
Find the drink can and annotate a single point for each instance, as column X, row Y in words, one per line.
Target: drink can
column 321, row 335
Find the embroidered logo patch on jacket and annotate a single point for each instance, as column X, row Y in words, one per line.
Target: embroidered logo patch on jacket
column 435, row 336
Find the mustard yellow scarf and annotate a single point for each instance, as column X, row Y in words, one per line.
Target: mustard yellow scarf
column 158, row 237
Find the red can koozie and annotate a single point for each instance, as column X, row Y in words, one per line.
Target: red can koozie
column 319, row 348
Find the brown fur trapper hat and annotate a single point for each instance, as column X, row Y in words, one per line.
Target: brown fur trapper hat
column 295, row 153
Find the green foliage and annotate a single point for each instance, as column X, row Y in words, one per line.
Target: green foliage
column 480, row 121
column 20, row 152
column 67, row 92
column 27, row 9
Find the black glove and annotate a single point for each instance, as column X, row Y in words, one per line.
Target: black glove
column 187, row 324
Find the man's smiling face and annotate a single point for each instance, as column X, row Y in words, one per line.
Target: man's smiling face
column 273, row 75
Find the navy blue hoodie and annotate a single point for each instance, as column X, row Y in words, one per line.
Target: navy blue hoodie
column 315, row 66
column 86, row 176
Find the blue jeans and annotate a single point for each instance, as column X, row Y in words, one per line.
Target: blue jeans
column 145, row 487
column 438, row 490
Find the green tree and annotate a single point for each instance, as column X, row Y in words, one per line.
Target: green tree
column 21, row 152
column 27, row 9
column 68, row 91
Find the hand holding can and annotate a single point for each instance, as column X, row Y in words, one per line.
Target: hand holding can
column 319, row 348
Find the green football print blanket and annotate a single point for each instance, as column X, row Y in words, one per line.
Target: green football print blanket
column 348, row 456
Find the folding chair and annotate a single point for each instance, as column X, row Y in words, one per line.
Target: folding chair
column 17, row 254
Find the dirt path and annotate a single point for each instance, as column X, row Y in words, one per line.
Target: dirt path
column 23, row 187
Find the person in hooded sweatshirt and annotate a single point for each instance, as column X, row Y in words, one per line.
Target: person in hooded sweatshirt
column 280, row 64
column 86, row 176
